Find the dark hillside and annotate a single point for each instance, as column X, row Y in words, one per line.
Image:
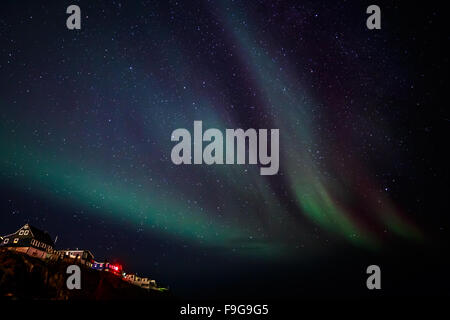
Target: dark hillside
column 25, row 277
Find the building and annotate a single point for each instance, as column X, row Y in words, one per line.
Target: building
column 145, row 283
column 83, row 256
column 116, row 269
column 30, row 240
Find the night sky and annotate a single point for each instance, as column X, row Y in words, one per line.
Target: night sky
column 86, row 118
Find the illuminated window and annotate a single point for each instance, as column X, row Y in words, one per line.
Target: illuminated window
column 16, row 240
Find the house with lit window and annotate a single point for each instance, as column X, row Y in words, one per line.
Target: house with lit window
column 113, row 268
column 83, row 256
column 145, row 283
column 30, row 240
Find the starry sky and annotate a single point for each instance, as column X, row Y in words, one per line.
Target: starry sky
column 87, row 115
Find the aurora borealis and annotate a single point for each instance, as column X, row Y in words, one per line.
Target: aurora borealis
column 86, row 118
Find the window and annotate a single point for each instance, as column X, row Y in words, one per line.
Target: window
column 21, row 233
column 26, row 232
column 16, row 240
column 6, row 241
